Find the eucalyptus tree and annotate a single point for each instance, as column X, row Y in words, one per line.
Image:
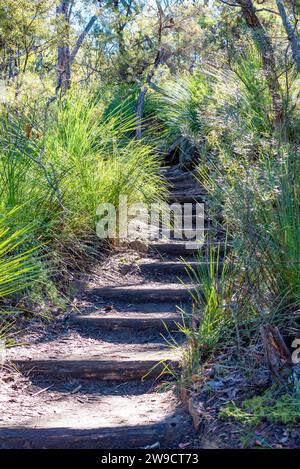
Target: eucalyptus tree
column 66, row 55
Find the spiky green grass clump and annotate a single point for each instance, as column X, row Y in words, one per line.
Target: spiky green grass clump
column 19, row 265
column 61, row 172
column 97, row 159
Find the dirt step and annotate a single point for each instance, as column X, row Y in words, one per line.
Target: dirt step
column 185, row 184
column 116, row 364
column 143, row 293
column 172, row 267
column 109, row 422
column 136, row 308
column 166, row 267
column 69, row 356
column 186, row 198
column 182, row 176
column 174, row 248
column 133, row 321
column 172, row 171
column 179, row 248
column 184, row 235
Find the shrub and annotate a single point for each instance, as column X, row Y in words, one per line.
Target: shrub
column 84, row 157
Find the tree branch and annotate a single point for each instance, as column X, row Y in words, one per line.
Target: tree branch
column 81, row 38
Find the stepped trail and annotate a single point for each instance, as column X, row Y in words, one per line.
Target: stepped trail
column 95, row 381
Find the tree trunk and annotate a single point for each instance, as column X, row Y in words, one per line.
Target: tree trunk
column 81, row 38
column 143, row 91
column 266, row 49
column 122, row 20
column 160, row 56
column 63, row 49
column 290, row 33
column 65, row 58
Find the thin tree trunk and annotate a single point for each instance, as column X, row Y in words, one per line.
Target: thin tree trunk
column 158, row 59
column 63, row 49
column 65, row 58
column 143, row 91
column 81, row 38
column 266, row 49
column 295, row 46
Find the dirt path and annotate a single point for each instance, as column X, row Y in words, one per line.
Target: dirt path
column 93, row 382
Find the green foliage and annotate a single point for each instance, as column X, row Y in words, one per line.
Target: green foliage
column 242, row 98
column 18, row 268
column 268, row 224
column 96, row 160
column 179, row 103
column 212, row 311
column 284, row 409
column 220, row 110
column 22, row 179
column 261, row 207
column 252, row 180
column 86, row 156
column 89, row 156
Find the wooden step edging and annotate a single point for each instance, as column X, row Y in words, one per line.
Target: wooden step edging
column 107, row 370
column 119, row 323
column 133, row 294
column 172, row 267
column 120, row 437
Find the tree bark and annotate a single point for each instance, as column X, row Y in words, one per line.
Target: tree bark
column 143, row 91
column 158, row 59
column 65, row 58
column 81, row 38
column 290, row 34
column 63, row 49
column 277, row 355
column 266, row 49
